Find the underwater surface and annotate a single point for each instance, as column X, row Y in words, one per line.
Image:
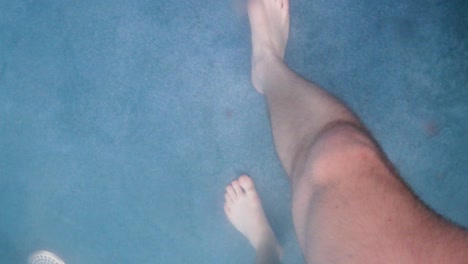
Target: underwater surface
column 121, row 122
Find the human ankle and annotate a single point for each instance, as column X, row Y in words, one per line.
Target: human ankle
column 271, row 246
column 265, row 237
column 263, row 68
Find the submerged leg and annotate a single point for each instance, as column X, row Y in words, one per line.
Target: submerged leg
column 348, row 204
column 244, row 209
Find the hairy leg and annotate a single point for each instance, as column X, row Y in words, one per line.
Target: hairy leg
column 348, row 204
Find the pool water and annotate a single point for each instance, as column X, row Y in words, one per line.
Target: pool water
column 121, row 122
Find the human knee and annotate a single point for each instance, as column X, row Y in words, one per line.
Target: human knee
column 339, row 148
column 341, row 134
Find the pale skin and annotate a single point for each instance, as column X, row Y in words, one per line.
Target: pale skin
column 349, row 205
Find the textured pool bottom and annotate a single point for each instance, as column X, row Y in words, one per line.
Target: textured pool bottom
column 143, row 111
column 44, row 257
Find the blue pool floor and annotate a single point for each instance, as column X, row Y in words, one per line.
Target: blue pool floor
column 121, row 122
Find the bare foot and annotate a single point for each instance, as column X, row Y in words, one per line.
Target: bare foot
column 269, row 22
column 244, row 209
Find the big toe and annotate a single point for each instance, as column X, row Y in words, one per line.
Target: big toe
column 246, row 183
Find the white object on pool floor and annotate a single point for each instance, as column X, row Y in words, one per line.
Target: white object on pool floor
column 44, row 257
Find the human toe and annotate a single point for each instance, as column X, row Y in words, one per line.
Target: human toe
column 246, row 183
column 231, row 193
column 237, row 188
